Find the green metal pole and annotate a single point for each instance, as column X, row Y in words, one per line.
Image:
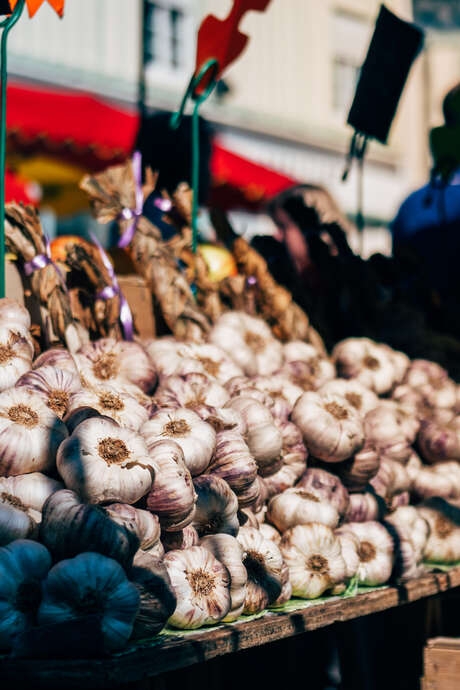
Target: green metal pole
column 6, row 25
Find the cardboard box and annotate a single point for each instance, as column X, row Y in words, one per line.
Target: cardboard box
column 139, row 298
column 441, row 664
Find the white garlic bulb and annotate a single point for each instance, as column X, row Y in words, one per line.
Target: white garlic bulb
column 311, row 375
column 23, row 567
column 410, row 519
column 385, row 433
column 439, row 441
column 357, row 471
column 142, row 523
column 229, row 552
column 105, row 463
column 202, row 587
column 443, row 543
column 400, row 361
column 107, row 361
column 264, row 566
column 16, row 521
column 270, row 532
column 332, row 429
column 111, row 402
column 249, row 342
column 298, row 351
column 293, row 458
column 376, row 551
column 299, row 507
column 441, row 480
column 422, row 372
column 196, row 438
column 366, row 361
column 15, row 356
column 31, row 490
column 91, row 584
column 57, row 357
column 13, row 313
column 286, row 588
column 364, row 507
column 264, row 439
column 212, row 361
column 172, row 496
column 191, row 391
column 233, row 462
column 216, row 507
column 55, row 387
column 326, row 485
column 357, row 395
column 349, row 545
column 31, row 433
column 314, row 558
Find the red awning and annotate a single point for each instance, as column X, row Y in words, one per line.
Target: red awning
column 17, row 189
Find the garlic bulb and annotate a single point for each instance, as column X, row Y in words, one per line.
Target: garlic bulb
column 278, row 405
column 356, row 472
column 364, row 507
column 327, row 486
column 13, row 313
column 109, row 401
column 443, row 543
column 168, row 354
column 31, row 433
column 298, row 351
column 349, row 545
column 375, row 551
column 286, row 588
column 54, row 386
column 16, row 521
column 391, row 479
column 15, row 357
column 172, row 496
column 202, row 587
column 191, row 391
column 70, row 527
column 367, row 362
column 422, row 372
column 314, row 558
column 438, row 442
column 107, row 360
column 157, row 599
column 357, row 395
column 183, row 539
column 299, row 507
column 269, row 532
column 264, row 565
column 91, row 584
column 30, row 490
column 247, row 518
column 213, row 361
column 293, row 457
column 229, row 552
column 79, row 415
column 400, row 361
column 332, row 429
column 196, row 438
column 56, row 357
column 384, row 432
column 278, row 386
column 265, row 441
column 400, row 417
column 143, row 524
column 23, row 567
column 410, row 519
column 311, row 375
column 105, row 463
column 441, row 480
column 249, row 342
column 216, row 507
column 233, row 462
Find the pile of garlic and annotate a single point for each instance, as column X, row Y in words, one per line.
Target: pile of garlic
column 166, row 483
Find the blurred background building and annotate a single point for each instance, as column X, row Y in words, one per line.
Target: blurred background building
column 283, row 105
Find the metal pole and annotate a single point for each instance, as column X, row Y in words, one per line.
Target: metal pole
column 6, row 25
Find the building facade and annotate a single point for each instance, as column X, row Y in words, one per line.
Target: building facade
column 285, row 101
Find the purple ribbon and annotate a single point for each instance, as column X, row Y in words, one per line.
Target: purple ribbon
column 133, row 214
column 114, row 290
column 43, row 260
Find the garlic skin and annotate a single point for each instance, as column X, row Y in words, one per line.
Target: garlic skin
column 91, row 583
column 367, row 362
column 264, row 439
column 143, row 524
column 298, row 351
column 202, row 587
column 31, row 433
column 422, row 372
column 23, row 567
column 286, row 588
column 183, row 539
column 400, row 361
column 410, row 519
column 391, row 479
column 70, row 527
column 269, row 532
column 311, row 375
column 213, row 362
column 349, row 545
column 357, row 395
column 13, row 313
column 264, row 565
column 54, row 386
column 443, row 543
column 16, row 521
column 216, row 507
column 385, row 433
column 157, row 598
column 57, row 357
column 196, row 438
column 172, row 496
column 293, row 457
column 441, row 480
column 105, row 463
column 313, row 555
column 363, row 508
column 278, row 386
column 249, row 342
column 375, row 551
column 31, row 490
column 191, row 391
column 109, row 401
column 15, row 357
column 229, row 552
column 108, row 360
column 233, row 462
column 326, row 485
column 357, row 472
column 332, row 429
column 300, row 507
column 438, row 442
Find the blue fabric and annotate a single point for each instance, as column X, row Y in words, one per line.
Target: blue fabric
column 428, row 224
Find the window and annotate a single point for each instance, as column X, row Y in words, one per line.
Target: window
column 168, row 36
column 350, row 37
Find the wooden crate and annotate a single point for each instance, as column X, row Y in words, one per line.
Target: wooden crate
column 441, row 664
column 139, row 298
